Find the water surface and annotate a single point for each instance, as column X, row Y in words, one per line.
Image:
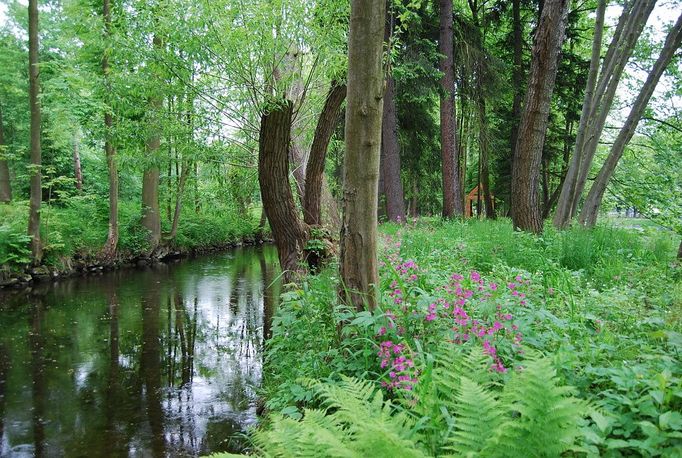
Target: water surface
column 162, row 361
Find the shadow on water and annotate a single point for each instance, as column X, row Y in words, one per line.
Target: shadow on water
column 157, row 362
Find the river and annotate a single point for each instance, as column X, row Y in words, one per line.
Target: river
column 160, row 361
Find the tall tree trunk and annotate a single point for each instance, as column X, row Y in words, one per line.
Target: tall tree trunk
column 314, row 172
column 178, row 199
column 5, row 185
column 34, row 102
column 77, row 171
column 111, row 244
column 565, row 204
column 531, row 137
column 621, row 48
column 151, row 217
column 273, row 176
column 358, row 260
column 590, row 211
column 484, row 158
column 390, row 160
column 449, row 150
column 517, row 76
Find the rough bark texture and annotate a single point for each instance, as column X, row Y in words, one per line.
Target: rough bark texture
column 358, row 260
column 273, row 177
column 525, row 178
column 517, row 75
column 483, row 144
column 622, row 45
column 390, row 158
column 563, row 212
column 5, row 185
column 151, row 216
column 590, row 211
column 34, row 102
column 111, row 244
column 314, row 172
column 453, row 203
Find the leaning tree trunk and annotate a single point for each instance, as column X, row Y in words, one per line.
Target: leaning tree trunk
column 390, row 160
column 111, row 244
column 358, row 260
column 590, row 211
column 5, row 185
column 622, row 45
column 314, row 172
column 288, row 231
column 531, row 138
column 563, row 212
column 34, row 102
column 151, row 215
column 452, row 191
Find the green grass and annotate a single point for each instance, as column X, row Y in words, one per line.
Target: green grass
column 605, row 305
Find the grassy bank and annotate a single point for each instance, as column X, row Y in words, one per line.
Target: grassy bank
column 475, row 316
column 78, row 230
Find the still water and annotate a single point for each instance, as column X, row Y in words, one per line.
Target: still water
column 162, row 361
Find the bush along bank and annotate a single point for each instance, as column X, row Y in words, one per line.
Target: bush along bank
column 74, row 236
column 487, row 341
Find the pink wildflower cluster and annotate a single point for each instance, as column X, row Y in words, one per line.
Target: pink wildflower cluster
column 402, row 373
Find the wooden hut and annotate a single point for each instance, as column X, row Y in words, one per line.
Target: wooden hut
column 471, row 198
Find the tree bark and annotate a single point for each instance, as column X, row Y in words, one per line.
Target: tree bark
column 151, row 217
column 5, row 184
column 109, row 251
column 617, row 56
column 34, row 102
column 178, row 199
column 517, row 76
column 390, row 160
column 563, row 213
column 77, row 170
column 358, row 260
column 314, row 172
column 590, row 211
column 452, row 191
column 525, row 177
column 273, row 176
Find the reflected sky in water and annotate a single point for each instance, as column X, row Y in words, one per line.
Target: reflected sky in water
column 163, row 361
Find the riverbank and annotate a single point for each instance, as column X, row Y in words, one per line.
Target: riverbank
column 469, row 313
column 74, row 236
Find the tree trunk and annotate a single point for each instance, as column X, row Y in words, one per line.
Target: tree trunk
column 452, row 191
column 178, row 199
column 390, row 160
column 77, row 171
column 618, row 54
column 517, row 76
column 34, row 102
column 314, row 172
column 273, row 176
column 5, row 184
column 679, row 252
column 590, row 211
column 111, row 244
column 358, row 260
column 531, row 137
column 484, row 158
column 565, row 204
column 151, row 217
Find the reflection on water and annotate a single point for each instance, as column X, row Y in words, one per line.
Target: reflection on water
column 157, row 362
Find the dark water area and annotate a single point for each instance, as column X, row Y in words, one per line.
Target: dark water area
column 162, row 361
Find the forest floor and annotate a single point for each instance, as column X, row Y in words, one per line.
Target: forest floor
column 73, row 236
column 604, row 306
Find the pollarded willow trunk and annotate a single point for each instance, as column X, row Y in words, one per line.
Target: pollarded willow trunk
column 273, row 177
column 34, row 102
column 151, row 215
column 453, row 202
column 109, row 251
column 358, row 260
column 390, row 158
column 590, row 211
column 526, row 173
column 314, row 172
column 565, row 203
column 5, row 185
